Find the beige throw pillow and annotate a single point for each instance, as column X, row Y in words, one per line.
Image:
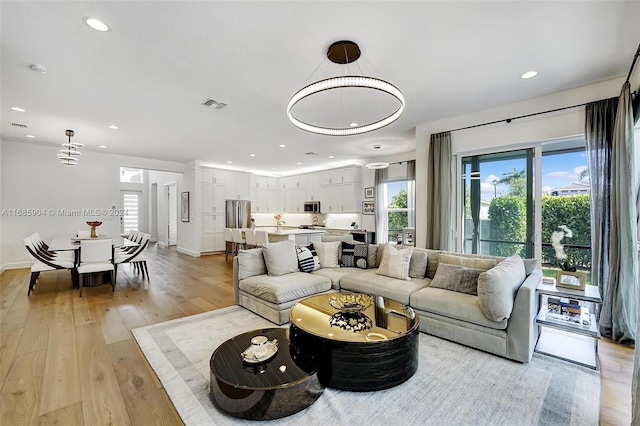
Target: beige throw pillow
column 498, row 286
column 469, row 262
column 327, row 253
column 395, row 263
column 250, row 263
column 281, row 257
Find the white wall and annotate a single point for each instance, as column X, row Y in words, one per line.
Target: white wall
column 32, row 178
column 502, row 135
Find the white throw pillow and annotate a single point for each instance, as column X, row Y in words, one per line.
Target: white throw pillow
column 328, row 253
column 281, row 257
column 395, row 263
column 498, row 286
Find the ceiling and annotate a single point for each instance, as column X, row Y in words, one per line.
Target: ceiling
column 160, row 60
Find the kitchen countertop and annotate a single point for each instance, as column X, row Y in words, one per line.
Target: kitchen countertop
column 289, row 230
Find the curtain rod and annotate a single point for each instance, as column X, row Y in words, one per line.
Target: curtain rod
column 508, row 120
column 633, row 63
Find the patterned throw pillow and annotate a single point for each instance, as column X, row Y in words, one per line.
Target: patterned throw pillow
column 308, row 260
column 395, row 264
column 354, row 255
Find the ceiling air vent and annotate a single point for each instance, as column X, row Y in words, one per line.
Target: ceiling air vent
column 22, row 126
column 211, row 103
column 311, row 153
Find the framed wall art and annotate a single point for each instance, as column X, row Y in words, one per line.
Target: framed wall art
column 368, row 192
column 184, row 207
column 574, row 280
column 368, row 207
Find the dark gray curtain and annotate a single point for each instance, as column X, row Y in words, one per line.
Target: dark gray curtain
column 618, row 281
column 599, row 122
column 411, row 195
column 439, row 188
column 382, row 234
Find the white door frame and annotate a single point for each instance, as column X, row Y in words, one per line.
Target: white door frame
column 171, row 205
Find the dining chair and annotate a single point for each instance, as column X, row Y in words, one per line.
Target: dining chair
column 250, row 238
column 96, row 256
column 238, row 240
column 84, row 234
column 262, row 238
column 45, row 261
column 228, row 243
column 42, row 245
column 136, row 258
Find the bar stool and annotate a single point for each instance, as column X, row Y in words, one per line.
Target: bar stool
column 262, row 238
column 238, row 240
column 250, row 238
column 228, row 243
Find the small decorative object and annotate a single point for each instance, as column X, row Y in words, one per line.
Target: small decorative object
column 569, row 279
column 184, row 207
column 368, row 192
column 261, row 350
column 351, row 321
column 93, row 226
column 351, row 302
column 368, row 207
column 279, row 221
column 556, row 239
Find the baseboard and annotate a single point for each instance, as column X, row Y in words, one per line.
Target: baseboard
column 15, row 265
column 189, row 252
column 153, row 240
column 161, row 244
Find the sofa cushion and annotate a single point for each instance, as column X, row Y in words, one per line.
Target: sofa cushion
column 498, row 286
column 328, row 253
column 369, row 282
column 250, row 263
column 469, row 262
column 308, row 260
column 335, row 274
column 280, row 257
column 395, row 263
column 433, row 258
column 285, row 288
column 372, row 256
column 457, row 278
column 354, row 255
column 530, row 265
column 451, row 304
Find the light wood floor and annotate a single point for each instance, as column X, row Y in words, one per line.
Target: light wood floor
column 73, row 361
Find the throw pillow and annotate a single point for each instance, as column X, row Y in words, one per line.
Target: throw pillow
column 417, row 264
column 469, row 262
column 530, row 265
column 308, row 260
column 327, row 253
column 280, row 257
column 372, row 256
column 250, row 263
column 456, row 278
column 395, row 263
column 498, row 286
column 354, row 255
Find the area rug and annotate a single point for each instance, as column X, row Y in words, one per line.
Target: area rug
column 454, row 384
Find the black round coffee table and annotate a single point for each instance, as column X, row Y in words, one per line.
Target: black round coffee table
column 276, row 388
column 367, row 351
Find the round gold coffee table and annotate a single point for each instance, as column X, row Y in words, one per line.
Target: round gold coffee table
column 278, row 387
column 363, row 351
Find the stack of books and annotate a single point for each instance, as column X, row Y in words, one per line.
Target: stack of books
column 568, row 310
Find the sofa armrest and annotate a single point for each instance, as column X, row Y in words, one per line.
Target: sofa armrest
column 236, row 281
column 522, row 331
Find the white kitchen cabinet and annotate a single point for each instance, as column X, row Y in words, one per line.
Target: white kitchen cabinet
column 237, row 186
column 339, row 191
column 213, row 175
column 264, row 194
column 213, row 216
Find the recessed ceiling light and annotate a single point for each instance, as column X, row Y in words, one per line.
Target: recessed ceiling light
column 252, row 155
column 282, row 145
column 273, row 168
column 96, row 24
column 30, row 136
column 102, row 146
column 354, row 124
column 381, row 165
column 114, row 127
column 529, row 74
column 332, row 156
column 18, row 109
column 298, row 163
column 229, row 162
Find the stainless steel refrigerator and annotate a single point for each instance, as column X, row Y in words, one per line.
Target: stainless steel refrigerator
column 238, row 214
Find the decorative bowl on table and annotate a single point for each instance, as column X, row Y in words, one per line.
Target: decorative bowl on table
column 351, row 303
column 93, row 226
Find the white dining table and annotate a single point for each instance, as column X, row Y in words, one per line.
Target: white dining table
column 68, row 243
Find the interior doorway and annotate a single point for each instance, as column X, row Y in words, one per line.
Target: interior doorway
column 154, row 212
column 171, row 194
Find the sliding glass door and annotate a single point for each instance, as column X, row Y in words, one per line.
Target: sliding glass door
column 497, row 203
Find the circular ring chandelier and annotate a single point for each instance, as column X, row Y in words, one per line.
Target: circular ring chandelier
column 344, row 52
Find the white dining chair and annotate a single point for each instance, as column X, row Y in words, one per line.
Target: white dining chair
column 228, row 243
column 250, row 238
column 238, row 240
column 136, row 257
column 262, row 238
column 96, row 256
column 44, row 260
column 42, row 245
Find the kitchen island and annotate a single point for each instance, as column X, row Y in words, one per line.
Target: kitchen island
column 302, row 237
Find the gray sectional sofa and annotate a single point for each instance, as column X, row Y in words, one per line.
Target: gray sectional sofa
column 499, row 320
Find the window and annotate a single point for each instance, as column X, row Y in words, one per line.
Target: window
column 398, row 210
column 131, row 208
column 131, row 175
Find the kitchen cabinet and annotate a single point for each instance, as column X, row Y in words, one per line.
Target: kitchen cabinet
column 213, row 175
column 342, row 192
column 264, row 194
column 213, row 216
column 237, row 186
